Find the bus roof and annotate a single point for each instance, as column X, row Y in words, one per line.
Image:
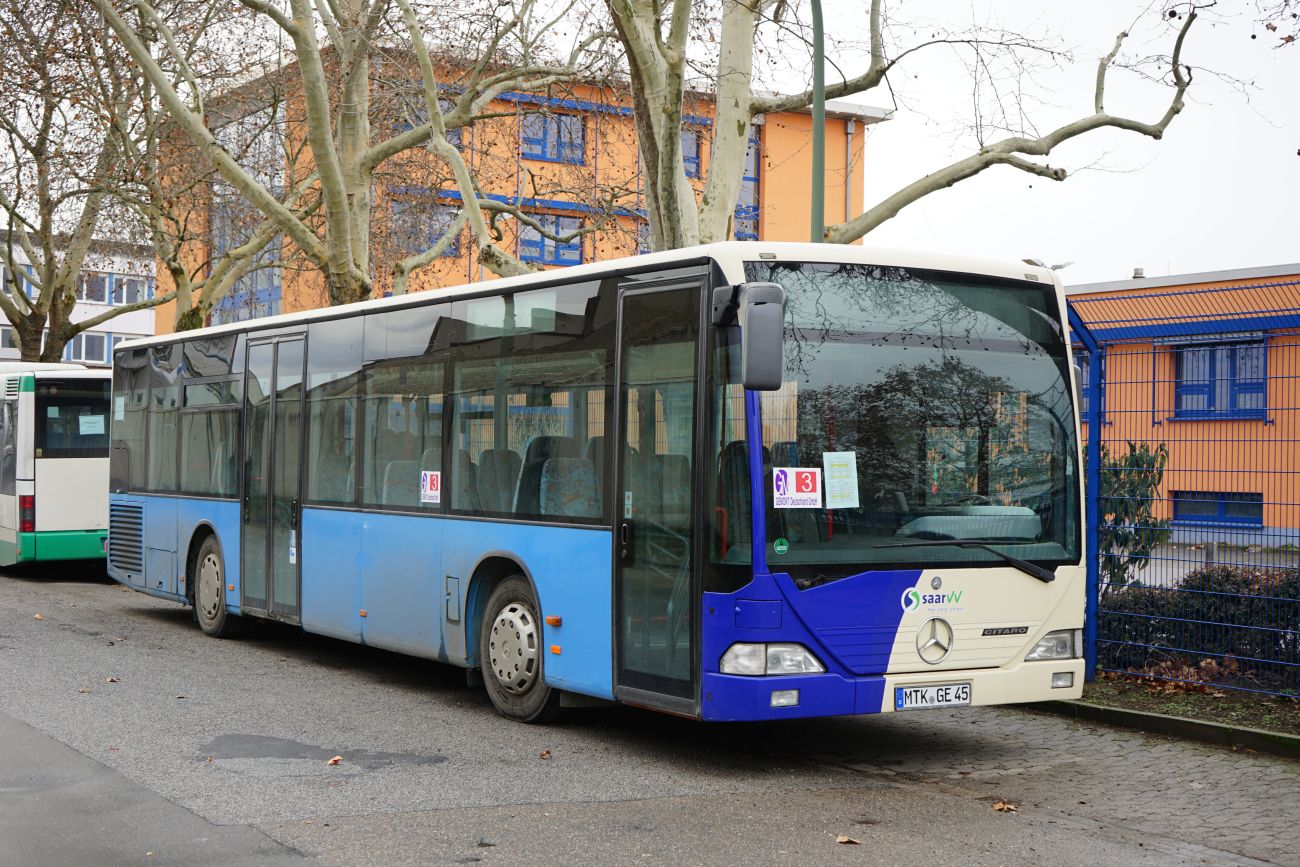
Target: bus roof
column 730, row 256
column 43, row 370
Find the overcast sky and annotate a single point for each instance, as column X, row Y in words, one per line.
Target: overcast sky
column 1219, row 192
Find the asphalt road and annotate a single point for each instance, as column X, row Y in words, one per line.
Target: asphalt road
column 127, row 737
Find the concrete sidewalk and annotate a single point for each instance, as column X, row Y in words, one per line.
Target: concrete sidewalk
column 59, row 807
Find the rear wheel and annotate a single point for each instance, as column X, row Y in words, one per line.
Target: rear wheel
column 510, row 651
column 209, row 582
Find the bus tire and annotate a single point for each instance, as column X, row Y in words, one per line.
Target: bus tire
column 209, row 581
column 510, row 652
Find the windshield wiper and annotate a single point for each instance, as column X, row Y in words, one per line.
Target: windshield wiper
column 1032, row 569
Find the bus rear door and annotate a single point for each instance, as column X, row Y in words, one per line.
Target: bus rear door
column 272, row 436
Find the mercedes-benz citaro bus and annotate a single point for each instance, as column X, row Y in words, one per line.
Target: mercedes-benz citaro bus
column 745, row 481
column 53, row 462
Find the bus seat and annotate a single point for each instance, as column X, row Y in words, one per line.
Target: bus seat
column 594, row 451
column 785, row 453
column 568, row 488
column 498, row 475
column 540, row 449
column 431, row 460
column 733, row 489
column 219, row 471
column 633, row 480
column 671, row 475
column 463, row 484
column 401, row 484
column 333, row 477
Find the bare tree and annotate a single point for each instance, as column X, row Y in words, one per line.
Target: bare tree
column 1280, row 17
column 657, row 40
column 59, row 161
column 324, row 209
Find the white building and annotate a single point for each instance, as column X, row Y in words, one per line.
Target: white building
column 114, row 275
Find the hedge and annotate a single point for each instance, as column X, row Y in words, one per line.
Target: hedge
column 1234, row 625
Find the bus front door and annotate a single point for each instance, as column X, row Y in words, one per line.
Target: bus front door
column 654, row 522
column 273, row 396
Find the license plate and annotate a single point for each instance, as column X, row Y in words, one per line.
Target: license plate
column 938, row 695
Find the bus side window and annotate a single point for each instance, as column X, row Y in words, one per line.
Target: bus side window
column 334, row 357
column 8, row 447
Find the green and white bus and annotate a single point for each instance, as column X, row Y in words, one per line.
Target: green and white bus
column 53, row 462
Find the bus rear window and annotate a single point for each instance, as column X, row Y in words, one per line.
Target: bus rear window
column 72, row 418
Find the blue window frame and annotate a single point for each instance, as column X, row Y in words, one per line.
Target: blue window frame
column 556, row 138
column 129, row 289
column 535, row 247
column 691, row 152
column 454, row 137
column 1220, row 380
column 1085, row 366
column 416, row 224
column 746, row 222
column 258, row 292
column 1217, row 507
column 417, row 114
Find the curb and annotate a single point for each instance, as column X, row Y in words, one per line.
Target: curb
column 1275, row 743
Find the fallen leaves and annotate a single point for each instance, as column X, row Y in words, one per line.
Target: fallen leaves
column 544, row 754
column 38, row 617
column 846, row 840
column 112, row 679
column 1006, row 806
column 84, row 690
column 337, row 760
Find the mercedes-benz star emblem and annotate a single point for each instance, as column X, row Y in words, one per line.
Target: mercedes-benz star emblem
column 936, row 582
column 934, row 640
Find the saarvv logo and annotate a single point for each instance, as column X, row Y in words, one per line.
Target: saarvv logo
column 912, row 599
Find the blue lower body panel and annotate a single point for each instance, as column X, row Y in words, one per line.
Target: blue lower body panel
column 745, row 699
column 849, row 625
column 412, row 576
column 167, row 528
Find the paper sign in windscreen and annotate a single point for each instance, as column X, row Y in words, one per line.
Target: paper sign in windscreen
column 841, row 479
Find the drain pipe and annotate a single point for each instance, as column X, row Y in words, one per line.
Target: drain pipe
column 850, row 127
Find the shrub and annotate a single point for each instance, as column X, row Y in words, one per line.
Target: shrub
column 1234, row 625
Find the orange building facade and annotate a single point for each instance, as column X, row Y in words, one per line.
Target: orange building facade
column 1207, row 366
column 571, row 163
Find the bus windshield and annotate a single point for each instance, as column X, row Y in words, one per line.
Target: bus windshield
column 72, row 418
column 931, row 406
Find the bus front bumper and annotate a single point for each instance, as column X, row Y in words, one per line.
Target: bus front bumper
column 727, row 697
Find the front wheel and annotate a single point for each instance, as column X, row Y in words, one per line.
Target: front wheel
column 209, row 582
column 510, row 651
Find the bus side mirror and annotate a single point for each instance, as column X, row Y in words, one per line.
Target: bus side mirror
column 762, row 334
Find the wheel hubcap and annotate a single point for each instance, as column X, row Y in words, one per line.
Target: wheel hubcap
column 209, row 588
column 512, row 648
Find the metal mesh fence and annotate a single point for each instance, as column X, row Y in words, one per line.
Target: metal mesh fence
column 1197, row 490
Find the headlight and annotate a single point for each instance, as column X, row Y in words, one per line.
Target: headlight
column 1061, row 644
column 759, row 659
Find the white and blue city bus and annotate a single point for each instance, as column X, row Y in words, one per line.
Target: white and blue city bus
column 557, row 480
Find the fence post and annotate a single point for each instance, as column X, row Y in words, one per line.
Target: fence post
column 1092, row 493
